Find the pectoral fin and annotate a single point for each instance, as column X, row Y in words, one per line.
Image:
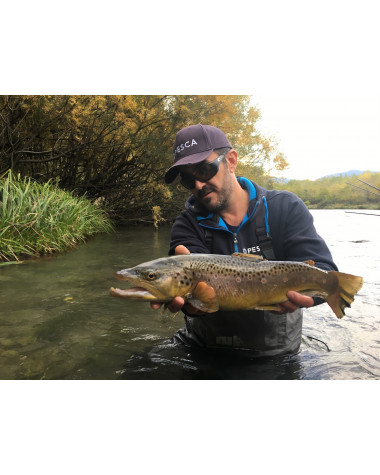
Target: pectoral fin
column 204, row 298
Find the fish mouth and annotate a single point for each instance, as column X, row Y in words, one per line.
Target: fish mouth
column 138, row 292
column 135, row 293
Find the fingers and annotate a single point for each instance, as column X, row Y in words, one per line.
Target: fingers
column 296, row 300
column 300, row 300
column 181, row 250
column 155, row 305
column 174, row 306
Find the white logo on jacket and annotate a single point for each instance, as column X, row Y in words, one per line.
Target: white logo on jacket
column 251, row 250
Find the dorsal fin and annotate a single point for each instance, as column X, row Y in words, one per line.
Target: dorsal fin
column 248, row 256
column 311, row 263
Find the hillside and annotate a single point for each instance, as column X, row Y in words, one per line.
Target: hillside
column 339, row 191
column 349, row 173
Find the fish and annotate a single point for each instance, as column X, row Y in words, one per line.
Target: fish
column 212, row 282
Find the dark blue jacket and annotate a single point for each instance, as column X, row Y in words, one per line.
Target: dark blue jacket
column 294, row 238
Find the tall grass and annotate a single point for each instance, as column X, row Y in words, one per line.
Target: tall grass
column 39, row 219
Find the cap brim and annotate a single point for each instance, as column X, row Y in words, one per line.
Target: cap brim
column 189, row 160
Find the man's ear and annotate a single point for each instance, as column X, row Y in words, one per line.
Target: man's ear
column 232, row 158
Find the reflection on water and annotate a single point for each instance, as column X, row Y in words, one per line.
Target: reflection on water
column 57, row 320
column 169, row 361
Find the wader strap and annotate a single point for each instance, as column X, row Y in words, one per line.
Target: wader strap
column 266, row 248
column 208, row 238
column 262, row 232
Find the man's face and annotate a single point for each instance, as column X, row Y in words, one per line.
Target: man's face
column 215, row 193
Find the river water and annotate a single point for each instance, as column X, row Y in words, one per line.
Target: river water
column 57, row 320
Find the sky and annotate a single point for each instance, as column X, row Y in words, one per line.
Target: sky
column 312, row 68
column 322, row 135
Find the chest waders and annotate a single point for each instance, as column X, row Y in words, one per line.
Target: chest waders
column 255, row 332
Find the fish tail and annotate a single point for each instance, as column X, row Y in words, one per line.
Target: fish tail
column 348, row 286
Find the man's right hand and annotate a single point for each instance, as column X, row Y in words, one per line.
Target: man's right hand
column 178, row 302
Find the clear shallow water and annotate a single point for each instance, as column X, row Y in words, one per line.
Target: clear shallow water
column 57, row 320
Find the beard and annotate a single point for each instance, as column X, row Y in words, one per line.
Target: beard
column 223, row 196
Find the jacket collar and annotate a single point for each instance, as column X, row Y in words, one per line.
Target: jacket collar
column 202, row 213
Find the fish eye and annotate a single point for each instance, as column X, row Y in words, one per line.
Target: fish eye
column 150, row 275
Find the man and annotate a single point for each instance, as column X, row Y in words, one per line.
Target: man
column 226, row 214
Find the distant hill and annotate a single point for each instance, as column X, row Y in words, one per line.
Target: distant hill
column 349, row 173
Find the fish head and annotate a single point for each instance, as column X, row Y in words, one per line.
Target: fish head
column 162, row 279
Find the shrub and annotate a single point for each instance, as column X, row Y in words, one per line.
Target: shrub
column 39, row 219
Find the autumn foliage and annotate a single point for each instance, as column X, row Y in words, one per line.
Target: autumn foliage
column 116, row 149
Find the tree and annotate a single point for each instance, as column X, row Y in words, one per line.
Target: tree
column 116, row 149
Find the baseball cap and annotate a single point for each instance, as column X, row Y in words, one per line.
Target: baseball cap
column 193, row 144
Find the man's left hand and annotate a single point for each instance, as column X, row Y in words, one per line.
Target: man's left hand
column 296, row 300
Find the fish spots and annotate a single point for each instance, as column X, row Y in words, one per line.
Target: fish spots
column 182, row 279
column 185, row 280
column 232, row 274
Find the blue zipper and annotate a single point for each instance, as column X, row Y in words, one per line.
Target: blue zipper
column 224, row 228
column 236, row 242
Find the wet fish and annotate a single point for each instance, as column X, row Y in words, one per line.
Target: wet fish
column 212, row 282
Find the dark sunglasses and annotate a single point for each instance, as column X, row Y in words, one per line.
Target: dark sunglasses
column 203, row 173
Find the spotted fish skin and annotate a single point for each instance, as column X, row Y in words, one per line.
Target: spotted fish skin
column 237, row 282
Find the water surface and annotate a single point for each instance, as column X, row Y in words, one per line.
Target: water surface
column 57, row 320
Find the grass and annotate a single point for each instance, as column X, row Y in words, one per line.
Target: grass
column 40, row 219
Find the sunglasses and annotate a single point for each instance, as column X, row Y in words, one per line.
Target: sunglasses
column 203, row 173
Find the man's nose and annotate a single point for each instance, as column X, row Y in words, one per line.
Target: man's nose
column 198, row 185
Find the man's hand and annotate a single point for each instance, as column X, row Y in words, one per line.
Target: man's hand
column 296, row 300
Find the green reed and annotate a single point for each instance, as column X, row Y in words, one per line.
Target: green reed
column 39, row 219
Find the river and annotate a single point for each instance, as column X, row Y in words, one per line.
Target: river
column 57, row 320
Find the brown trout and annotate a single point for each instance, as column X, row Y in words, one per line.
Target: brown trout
column 212, row 282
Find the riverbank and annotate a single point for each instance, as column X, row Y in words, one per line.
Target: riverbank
column 41, row 219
